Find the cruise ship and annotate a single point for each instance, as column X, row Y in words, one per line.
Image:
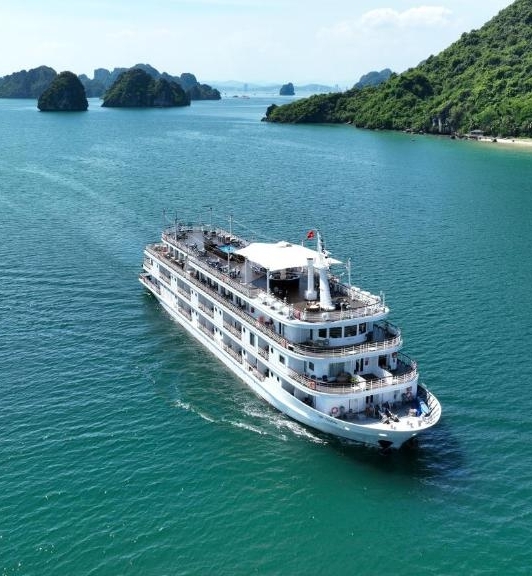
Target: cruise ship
column 317, row 348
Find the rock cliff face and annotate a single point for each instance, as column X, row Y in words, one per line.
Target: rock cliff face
column 65, row 94
column 135, row 88
column 27, row 83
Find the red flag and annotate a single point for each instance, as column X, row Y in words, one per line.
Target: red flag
column 310, row 234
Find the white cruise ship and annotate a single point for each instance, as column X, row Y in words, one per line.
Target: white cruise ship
column 318, row 349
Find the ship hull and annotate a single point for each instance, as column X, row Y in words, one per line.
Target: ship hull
column 370, row 435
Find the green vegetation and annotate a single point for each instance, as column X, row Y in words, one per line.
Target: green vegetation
column 27, row 83
column 135, row 88
column 483, row 81
column 64, row 94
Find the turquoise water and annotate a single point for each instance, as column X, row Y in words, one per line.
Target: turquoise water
column 126, row 449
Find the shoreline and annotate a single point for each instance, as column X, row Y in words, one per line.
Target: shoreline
column 525, row 142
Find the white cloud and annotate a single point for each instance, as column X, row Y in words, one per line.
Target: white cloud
column 421, row 16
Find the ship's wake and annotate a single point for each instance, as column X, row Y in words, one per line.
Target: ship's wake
column 266, row 422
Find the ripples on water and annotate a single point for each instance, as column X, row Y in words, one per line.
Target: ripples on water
column 126, row 448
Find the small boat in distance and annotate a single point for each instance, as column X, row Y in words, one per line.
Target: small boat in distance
column 319, row 350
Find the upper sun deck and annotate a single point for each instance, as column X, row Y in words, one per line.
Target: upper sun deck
column 281, row 292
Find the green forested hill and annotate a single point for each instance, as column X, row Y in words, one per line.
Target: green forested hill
column 136, row 88
column 27, row 83
column 482, row 81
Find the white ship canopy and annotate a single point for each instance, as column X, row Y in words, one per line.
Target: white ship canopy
column 282, row 255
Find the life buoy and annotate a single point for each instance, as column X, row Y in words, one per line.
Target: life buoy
column 334, row 411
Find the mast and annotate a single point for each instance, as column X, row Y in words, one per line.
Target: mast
column 325, row 292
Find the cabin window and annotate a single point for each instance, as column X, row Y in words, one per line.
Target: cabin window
column 252, row 338
column 336, row 368
column 311, row 366
column 282, row 359
column 362, row 329
column 335, row 332
column 322, row 333
column 350, row 331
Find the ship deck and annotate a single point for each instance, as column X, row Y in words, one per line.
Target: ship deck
column 288, row 288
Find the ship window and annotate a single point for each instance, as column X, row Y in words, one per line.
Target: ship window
column 252, row 338
column 322, row 333
column 362, row 328
column 335, row 332
column 311, row 366
column 350, row 331
column 282, row 359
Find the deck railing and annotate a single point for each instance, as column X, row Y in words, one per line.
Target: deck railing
column 369, row 386
column 347, row 314
column 299, row 348
column 218, row 297
column 183, row 292
column 206, row 309
column 373, row 305
column 146, row 280
column 233, row 329
column 248, row 291
column 355, row 349
column 206, row 331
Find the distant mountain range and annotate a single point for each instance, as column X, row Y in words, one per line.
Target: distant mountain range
column 32, row 83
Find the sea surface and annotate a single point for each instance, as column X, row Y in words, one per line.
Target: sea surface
column 126, row 449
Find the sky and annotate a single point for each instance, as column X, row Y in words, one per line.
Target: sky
column 331, row 42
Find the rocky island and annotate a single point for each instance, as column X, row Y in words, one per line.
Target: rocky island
column 64, row 94
column 32, row 83
column 135, row 88
column 287, row 90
